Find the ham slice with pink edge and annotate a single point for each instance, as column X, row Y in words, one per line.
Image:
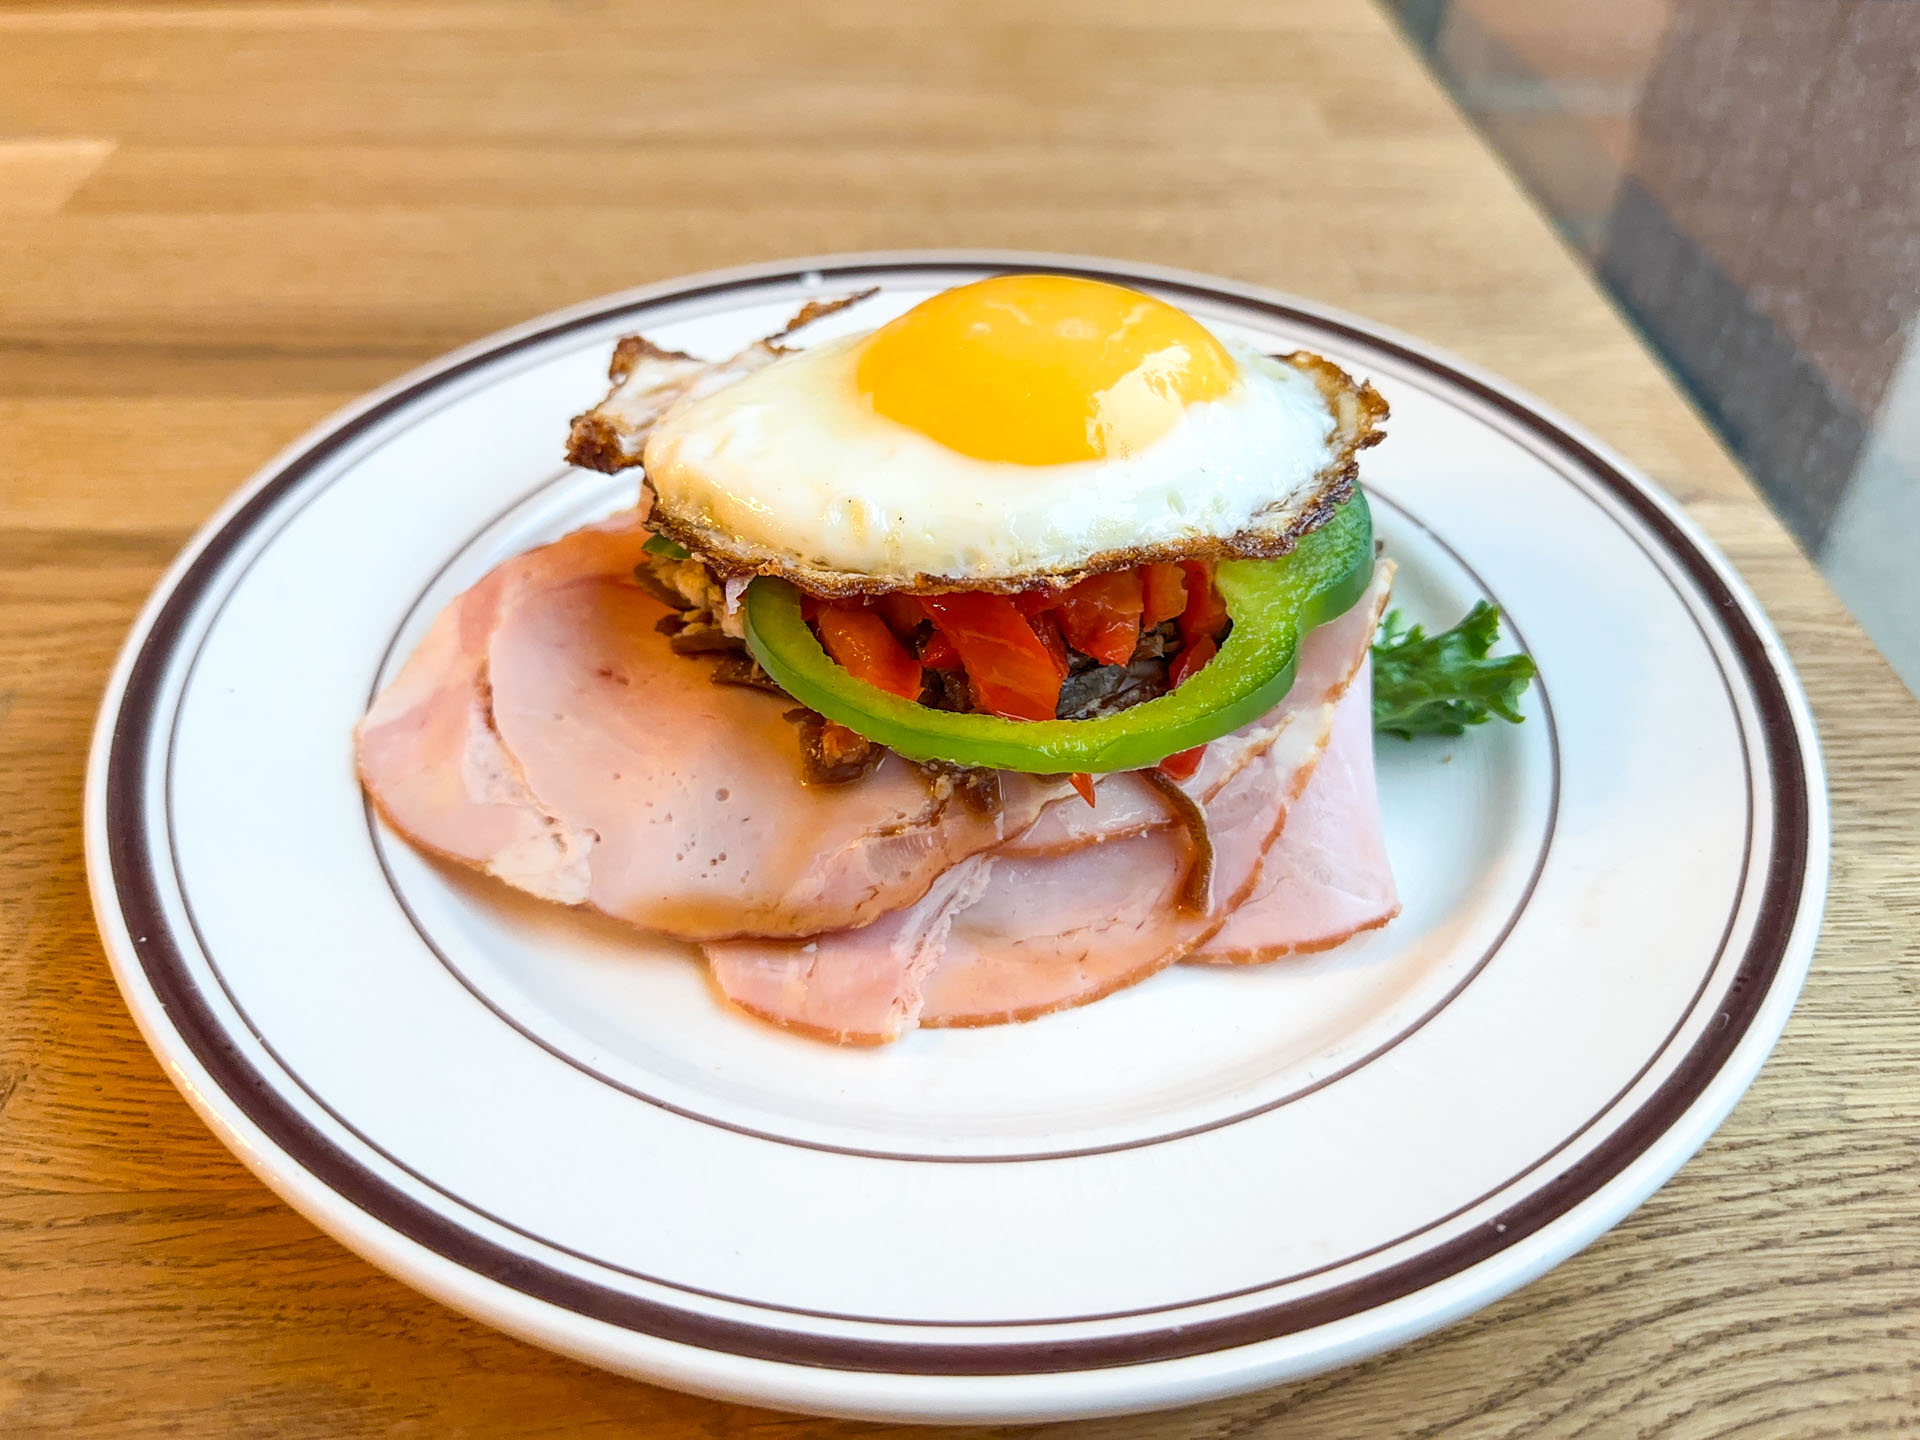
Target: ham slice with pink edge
column 689, row 795
column 1048, row 932
column 1327, row 878
column 427, row 751
column 546, row 733
column 1036, row 930
column 1051, row 932
column 1016, row 936
column 856, row 987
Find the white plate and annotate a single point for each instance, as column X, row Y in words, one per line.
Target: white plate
column 1217, row 1180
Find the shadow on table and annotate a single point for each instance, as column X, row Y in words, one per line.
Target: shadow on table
column 1744, row 176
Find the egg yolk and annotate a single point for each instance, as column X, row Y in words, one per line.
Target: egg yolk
column 1042, row 369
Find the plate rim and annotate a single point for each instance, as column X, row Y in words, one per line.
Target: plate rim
column 744, row 1373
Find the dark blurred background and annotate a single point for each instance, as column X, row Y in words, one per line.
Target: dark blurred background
column 1744, row 176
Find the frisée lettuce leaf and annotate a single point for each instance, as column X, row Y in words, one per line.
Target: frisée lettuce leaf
column 1440, row 684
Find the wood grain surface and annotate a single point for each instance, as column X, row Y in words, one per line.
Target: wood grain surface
column 218, row 223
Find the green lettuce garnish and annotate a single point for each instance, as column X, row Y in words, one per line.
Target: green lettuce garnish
column 1440, row 684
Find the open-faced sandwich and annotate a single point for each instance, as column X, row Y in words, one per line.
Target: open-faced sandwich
column 948, row 673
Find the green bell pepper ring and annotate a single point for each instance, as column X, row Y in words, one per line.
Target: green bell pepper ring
column 1273, row 603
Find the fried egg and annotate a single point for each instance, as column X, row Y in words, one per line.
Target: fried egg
column 1019, row 430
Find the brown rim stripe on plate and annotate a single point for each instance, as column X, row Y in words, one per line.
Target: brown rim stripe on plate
column 1028, row 1322
column 164, row 965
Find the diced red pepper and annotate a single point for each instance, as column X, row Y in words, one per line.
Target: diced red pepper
column 938, row 653
column 1034, row 603
column 1183, row 766
column 901, row 612
column 1206, row 613
column 1163, row 588
column 1012, row 673
column 860, row 640
column 1101, row 616
column 1196, row 654
column 1047, row 626
column 1082, row 786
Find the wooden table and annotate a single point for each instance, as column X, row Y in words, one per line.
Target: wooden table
column 217, row 224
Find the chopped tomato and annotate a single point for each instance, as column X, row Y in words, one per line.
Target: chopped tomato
column 860, row 640
column 1196, row 654
column 1101, row 616
column 1206, row 613
column 1182, row 766
column 938, row 653
column 1012, row 673
column 811, row 606
column 1082, row 786
column 1163, row 593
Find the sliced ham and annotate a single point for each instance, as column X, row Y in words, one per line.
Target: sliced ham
column 1038, row 928
column 690, row 795
column 1017, row 936
column 546, row 733
column 427, row 751
column 1050, row 932
column 858, row 987
column 1327, row 878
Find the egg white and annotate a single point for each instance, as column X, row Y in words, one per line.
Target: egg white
column 796, row 472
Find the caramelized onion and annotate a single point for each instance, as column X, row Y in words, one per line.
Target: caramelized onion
column 1186, row 811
